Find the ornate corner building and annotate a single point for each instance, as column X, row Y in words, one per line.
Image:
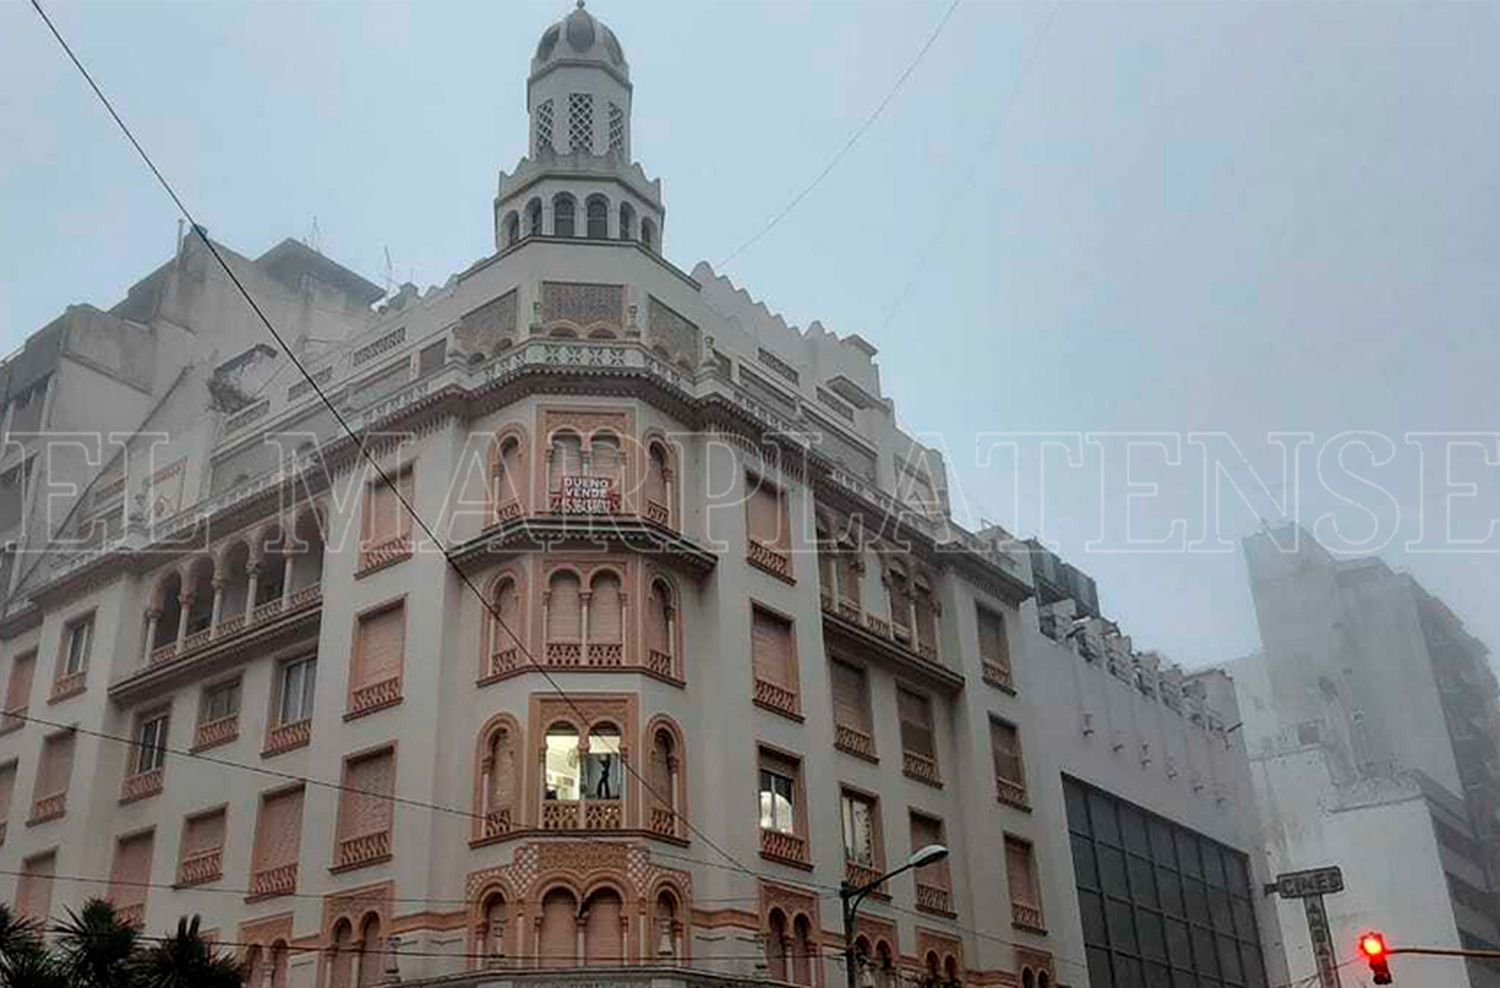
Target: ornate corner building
column 681, row 637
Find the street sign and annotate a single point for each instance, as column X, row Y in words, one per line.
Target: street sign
column 1310, row 882
column 1322, row 940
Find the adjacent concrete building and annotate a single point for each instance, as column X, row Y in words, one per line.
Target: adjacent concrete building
column 1372, row 727
column 682, row 640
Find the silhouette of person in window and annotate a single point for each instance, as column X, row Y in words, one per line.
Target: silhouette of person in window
column 601, row 789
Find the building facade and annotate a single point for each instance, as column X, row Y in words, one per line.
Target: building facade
column 1372, row 727
column 676, row 637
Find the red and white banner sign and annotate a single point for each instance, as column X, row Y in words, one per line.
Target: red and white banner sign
column 586, row 496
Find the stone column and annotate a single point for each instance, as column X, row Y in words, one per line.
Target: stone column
column 286, row 578
column 252, row 570
column 185, row 604
column 153, row 617
column 213, row 622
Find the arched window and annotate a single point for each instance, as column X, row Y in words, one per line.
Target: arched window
column 563, row 207
column 776, row 945
column 661, row 652
column 564, row 608
column 661, row 776
column 603, row 933
column 648, row 233
column 658, row 495
column 802, row 951
column 886, row 977
column 606, row 620
column 278, row 964
column 561, row 763
column 605, row 459
column 252, row 968
column 371, row 953
column 934, row 968
column 534, row 218
column 500, row 781
column 512, row 227
column 666, row 926
column 493, row 946
column 565, row 459
column 341, row 956
column 1028, row 979
column 505, row 649
column 596, row 210
column 603, row 773
column 510, row 478
column 950, row 970
column 627, row 221
column 1043, row 980
column 559, row 939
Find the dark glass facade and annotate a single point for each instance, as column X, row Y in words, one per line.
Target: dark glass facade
column 1162, row 906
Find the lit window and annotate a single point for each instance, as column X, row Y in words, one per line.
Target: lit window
column 777, row 802
column 562, row 762
column 603, row 775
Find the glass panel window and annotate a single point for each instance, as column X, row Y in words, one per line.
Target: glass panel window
column 859, row 829
column 221, row 701
column 151, row 744
column 298, row 680
column 80, row 633
column 602, row 769
column 562, row 763
column 777, row 802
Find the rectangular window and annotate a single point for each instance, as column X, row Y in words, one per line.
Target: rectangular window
column 768, row 533
column 851, row 696
column 779, row 793
column 151, row 744
column 52, row 774
column 1020, row 873
column 773, row 661
column 1010, row 773
column 295, row 699
column 221, row 702
column 925, row 831
column 386, row 520
column 7, row 791
column 365, row 809
column 34, row 889
column 861, row 830
column 278, row 839
column 18, row 688
column 77, row 638
column 131, row 871
column 994, row 648
column 379, row 646
column 915, row 711
column 200, row 858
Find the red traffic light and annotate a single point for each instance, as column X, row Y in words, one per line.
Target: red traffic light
column 1372, row 945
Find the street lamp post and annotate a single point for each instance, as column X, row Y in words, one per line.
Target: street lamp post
column 851, row 896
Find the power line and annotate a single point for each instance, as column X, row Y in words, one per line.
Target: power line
column 359, row 444
column 979, row 158
column 849, row 144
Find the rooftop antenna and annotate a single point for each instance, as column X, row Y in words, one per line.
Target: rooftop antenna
column 315, row 236
column 390, row 273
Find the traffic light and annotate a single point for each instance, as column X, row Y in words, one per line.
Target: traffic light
column 1372, row 945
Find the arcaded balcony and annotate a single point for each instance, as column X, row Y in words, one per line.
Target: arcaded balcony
column 251, row 582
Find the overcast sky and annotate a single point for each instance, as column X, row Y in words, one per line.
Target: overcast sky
column 1183, row 217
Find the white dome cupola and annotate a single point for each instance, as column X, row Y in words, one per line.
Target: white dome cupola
column 578, row 178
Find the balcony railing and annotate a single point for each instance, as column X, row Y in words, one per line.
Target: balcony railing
column 921, row 767
column 779, row 846
column 660, row 663
column 142, row 784
column 366, row 699
column 68, row 685
column 508, row 510
column 505, row 661
column 1011, row 793
column 364, row 849
column 853, row 740
column 602, row 814
column 934, row 898
column 777, row 562
column 998, row 676
column 212, row 733
column 288, row 736
column 384, row 553
column 859, row 875
column 201, row 866
column 237, row 624
column 658, row 513
column 49, row 808
column 606, row 654
column 496, row 823
column 281, row 880
column 564, row 653
column 776, row 697
column 664, row 821
column 1024, row 916
column 560, row 814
